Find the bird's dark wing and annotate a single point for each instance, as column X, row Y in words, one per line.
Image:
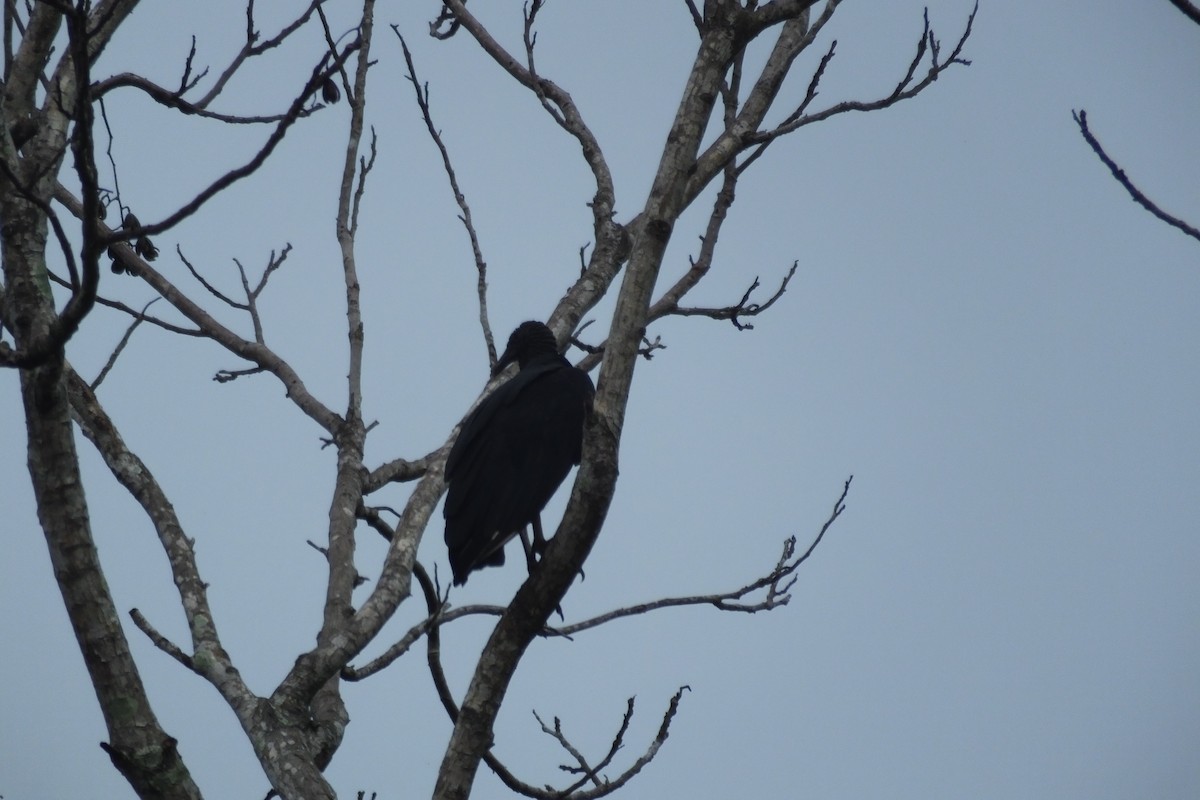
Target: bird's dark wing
column 509, row 459
column 466, row 445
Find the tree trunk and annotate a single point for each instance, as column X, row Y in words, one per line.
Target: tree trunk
column 138, row 746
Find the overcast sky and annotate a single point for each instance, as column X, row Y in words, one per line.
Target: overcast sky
column 983, row 329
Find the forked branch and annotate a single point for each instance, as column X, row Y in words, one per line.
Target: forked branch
column 775, row 586
column 907, row 87
column 554, row 98
column 794, row 38
column 317, row 77
column 258, row 354
column 254, row 45
column 436, row 604
column 603, row 786
column 743, row 307
column 208, row 657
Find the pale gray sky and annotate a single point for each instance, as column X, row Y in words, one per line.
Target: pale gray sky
column 984, row 330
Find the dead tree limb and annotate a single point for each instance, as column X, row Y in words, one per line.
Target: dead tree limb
column 1137, row 194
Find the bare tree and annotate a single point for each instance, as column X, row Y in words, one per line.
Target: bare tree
column 1192, row 12
column 54, row 200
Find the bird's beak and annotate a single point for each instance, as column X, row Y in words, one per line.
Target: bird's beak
column 503, row 362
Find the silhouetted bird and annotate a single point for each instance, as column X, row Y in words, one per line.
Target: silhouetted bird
column 513, row 452
column 142, row 245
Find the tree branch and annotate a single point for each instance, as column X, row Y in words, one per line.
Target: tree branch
column 743, row 307
column 1192, row 12
column 776, row 583
column 210, row 658
column 422, row 94
column 112, row 358
column 431, row 627
column 904, row 90
column 793, row 39
column 294, row 112
column 174, row 100
column 253, row 47
column 162, row 642
column 396, row 471
column 555, row 100
column 258, row 354
column 1138, row 196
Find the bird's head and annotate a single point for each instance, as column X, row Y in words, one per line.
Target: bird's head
column 529, row 340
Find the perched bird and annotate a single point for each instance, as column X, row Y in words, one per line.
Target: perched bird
column 514, row 451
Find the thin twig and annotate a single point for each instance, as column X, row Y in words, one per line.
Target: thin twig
column 359, row 579
column 260, row 355
column 697, row 17
column 743, row 307
column 905, row 89
column 254, row 47
column 777, row 584
column 1138, row 196
column 230, row 375
column 274, row 262
column 162, row 642
column 251, row 306
column 347, row 86
column 172, row 99
column 295, row 112
column 365, row 165
column 135, row 314
column 530, row 12
column 557, row 734
column 214, row 291
column 422, row 93
column 566, row 113
column 112, row 359
column 618, row 739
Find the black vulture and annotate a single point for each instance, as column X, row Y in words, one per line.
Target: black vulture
column 514, row 451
